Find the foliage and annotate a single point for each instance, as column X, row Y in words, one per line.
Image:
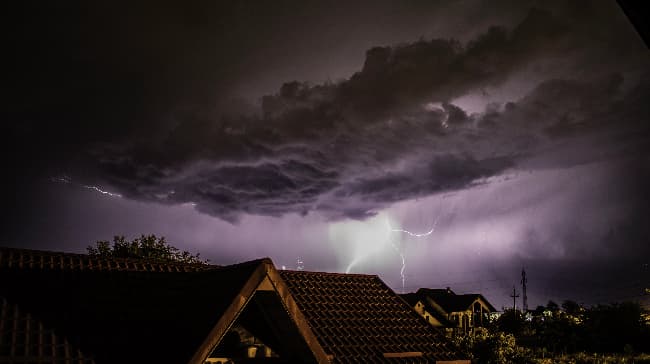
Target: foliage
column 617, row 327
column 570, row 333
column 560, row 331
column 145, row 247
column 594, row 358
column 492, row 348
column 511, row 322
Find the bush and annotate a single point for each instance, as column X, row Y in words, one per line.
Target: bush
column 493, row 348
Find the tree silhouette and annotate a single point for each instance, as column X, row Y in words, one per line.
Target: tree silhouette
column 145, row 247
column 511, row 322
column 615, row 326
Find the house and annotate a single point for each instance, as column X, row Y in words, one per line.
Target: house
column 74, row 308
column 458, row 314
column 429, row 310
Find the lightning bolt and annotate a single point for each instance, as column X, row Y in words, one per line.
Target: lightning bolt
column 413, row 234
column 101, row 191
column 401, row 252
column 352, row 264
column 67, row 180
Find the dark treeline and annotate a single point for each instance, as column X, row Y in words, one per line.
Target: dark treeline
column 554, row 331
column 612, row 328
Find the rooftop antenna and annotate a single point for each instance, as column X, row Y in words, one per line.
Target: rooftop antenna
column 524, row 280
column 514, row 296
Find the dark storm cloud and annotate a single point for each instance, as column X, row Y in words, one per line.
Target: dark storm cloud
column 437, row 70
column 152, row 113
column 276, row 169
column 445, row 172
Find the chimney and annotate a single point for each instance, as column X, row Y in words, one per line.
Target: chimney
column 448, row 290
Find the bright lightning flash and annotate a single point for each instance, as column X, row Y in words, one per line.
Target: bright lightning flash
column 401, row 252
column 359, row 239
column 67, row 180
column 102, row 191
column 413, row 234
column 371, row 237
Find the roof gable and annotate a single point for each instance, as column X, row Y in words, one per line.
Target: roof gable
column 429, row 306
column 110, row 309
column 270, row 291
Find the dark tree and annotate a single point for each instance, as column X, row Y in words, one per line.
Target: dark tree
column 511, row 322
column 145, row 247
column 552, row 306
column 539, row 311
column 572, row 308
column 614, row 327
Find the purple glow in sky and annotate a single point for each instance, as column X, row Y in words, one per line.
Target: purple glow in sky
column 505, row 134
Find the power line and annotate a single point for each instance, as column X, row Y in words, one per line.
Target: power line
column 514, row 296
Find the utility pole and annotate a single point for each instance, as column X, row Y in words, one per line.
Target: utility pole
column 514, row 296
column 524, row 280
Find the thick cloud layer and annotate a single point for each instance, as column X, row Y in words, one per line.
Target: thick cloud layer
column 307, row 130
column 393, row 131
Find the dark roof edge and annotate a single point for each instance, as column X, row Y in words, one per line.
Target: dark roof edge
column 82, row 255
column 291, row 306
column 265, row 269
column 487, row 302
column 442, row 291
column 50, row 253
column 232, row 312
column 330, row 273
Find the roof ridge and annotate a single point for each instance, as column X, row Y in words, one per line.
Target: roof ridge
column 27, row 250
column 41, row 259
column 85, row 255
column 265, row 260
column 328, row 273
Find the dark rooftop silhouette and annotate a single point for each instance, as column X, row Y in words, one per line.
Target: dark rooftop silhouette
column 60, row 306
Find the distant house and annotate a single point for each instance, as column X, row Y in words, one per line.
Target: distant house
column 442, row 308
column 73, row 308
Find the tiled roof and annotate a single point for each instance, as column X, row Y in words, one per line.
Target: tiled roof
column 156, row 317
column 63, row 308
column 38, row 259
column 451, row 302
column 24, row 339
column 358, row 319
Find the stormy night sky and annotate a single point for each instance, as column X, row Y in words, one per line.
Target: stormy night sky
column 516, row 133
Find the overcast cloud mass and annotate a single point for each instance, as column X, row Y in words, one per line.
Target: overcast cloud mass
column 518, row 131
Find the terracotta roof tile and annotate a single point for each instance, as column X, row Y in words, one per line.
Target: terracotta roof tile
column 357, row 318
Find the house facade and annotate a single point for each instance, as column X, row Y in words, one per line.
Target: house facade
column 444, row 309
